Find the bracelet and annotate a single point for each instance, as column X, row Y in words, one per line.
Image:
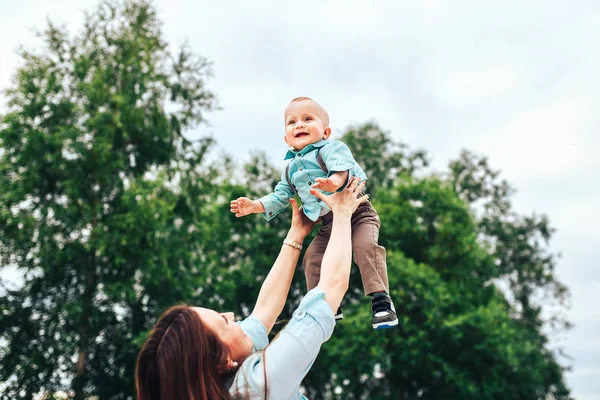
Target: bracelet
column 295, row 245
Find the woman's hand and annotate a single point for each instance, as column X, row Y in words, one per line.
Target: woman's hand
column 301, row 224
column 346, row 201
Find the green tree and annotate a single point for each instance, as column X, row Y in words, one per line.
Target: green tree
column 518, row 243
column 100, row 200
column 112, row 215
column 459, row 336
column 380, row 156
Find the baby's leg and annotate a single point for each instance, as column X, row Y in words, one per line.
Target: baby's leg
column 371, row 260
column 314, row 254
column 368, row 254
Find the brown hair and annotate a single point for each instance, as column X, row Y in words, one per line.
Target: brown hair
column 180, row 360
column 324, row 115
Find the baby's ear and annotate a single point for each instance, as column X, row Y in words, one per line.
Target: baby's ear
column 285, row 138
column 327, row 133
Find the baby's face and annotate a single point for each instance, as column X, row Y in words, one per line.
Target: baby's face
column 304, row 124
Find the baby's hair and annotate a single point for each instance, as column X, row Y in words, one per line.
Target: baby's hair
column 323, row 111
column 301, row 99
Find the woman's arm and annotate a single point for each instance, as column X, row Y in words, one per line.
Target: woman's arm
column 275, row 288
column 335, row 267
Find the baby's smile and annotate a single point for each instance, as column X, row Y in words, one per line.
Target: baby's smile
column 301, row 134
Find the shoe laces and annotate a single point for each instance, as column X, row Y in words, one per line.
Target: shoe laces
column 381, row 304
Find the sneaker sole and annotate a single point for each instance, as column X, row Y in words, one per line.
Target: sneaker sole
column 339, row 316
column 385, row 325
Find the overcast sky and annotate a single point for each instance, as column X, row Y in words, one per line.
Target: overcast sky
column 515, row 81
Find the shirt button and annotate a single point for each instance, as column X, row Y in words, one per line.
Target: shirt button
column 270, row 214
column 300, row 314
column 300, row 169
column 318, row 200
column 309, row 183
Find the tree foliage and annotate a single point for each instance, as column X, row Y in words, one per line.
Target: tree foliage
column 100, row 199
column 112, row 215
column 450, row 239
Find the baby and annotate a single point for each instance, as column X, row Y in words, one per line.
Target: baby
column 317, row 163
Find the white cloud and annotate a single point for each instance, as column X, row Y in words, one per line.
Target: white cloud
column 471, row 84
column 550, row 139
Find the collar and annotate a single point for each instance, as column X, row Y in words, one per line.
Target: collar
column 313, row 146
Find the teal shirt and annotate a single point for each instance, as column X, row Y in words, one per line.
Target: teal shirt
column 304, row 169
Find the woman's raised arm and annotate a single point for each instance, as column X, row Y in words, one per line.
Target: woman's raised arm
column 274, row 291
column 335, row 267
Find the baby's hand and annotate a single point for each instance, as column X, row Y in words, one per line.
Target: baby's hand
column 326, row 184
column 242, row 206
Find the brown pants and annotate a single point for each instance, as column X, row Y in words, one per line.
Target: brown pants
column 367, row 253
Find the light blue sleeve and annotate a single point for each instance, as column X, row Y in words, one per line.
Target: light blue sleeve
column 338, row 157
column 275, row 202
column 257, row 332
column 289, row 357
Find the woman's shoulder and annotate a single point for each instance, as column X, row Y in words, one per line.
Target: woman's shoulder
column 249, row 381
column 283, row 364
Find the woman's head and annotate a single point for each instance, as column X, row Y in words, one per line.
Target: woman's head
column 238, row 344
column 190, row 354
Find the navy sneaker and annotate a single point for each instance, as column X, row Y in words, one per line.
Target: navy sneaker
column 384, row 313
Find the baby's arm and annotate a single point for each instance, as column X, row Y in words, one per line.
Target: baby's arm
column 340, row 162
column 333, row 182
column 269, row 205
column 243, row 206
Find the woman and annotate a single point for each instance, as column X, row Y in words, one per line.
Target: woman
column 196, row 353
